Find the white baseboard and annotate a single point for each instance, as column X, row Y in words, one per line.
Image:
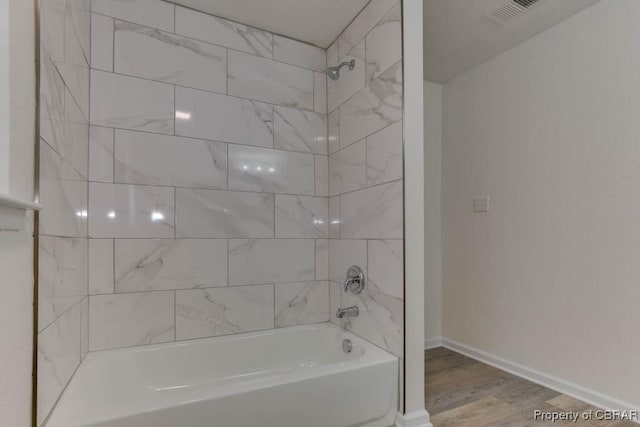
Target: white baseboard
column 434, row 342
column 414, row 419
column 581, row 393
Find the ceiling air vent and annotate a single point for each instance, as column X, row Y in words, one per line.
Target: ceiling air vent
column 510, row 10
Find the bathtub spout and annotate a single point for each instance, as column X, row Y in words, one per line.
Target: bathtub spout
column 352, row 311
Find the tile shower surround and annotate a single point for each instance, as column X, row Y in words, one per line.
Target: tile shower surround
column 246, row 215
column 208, row 177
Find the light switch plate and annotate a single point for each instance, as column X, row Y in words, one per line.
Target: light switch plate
column 481, row 204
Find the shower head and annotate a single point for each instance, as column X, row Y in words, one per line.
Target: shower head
column 334, row 72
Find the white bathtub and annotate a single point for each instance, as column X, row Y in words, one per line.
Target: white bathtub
column 291, row 377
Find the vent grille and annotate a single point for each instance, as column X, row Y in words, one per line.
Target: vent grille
column 510, row 10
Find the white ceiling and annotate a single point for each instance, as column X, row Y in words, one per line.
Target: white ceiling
column 458, row 36
column 318, row 22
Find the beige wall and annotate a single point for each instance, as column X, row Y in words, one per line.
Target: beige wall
column 433, row 208
column 549, row 130
column 16, row 248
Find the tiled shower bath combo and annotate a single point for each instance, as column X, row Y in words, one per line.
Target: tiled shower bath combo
column 204, row 178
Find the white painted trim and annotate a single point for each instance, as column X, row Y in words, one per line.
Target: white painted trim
column 12, row 202
column 574, row 390
column 414, row 419
column 434, row 342
column 13, row 212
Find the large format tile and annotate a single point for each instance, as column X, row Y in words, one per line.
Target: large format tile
column 384, row 44
column 273, row 171
column 223, row 118
column 52, row 20
column 125, row 320
column 101, row 142
column 258, row 261
column 320, row 92
column 322, row 259
column 156, row 55
column 374, row 107
column 335, row 218
column 62, row 276
column 298, row 130
column 348, row 169
column 198, row 25
column 58, row 358
column 373, row 213
column 52, row 103
column 301, row 303
column 333, row 131
column 265, row 80
column 163, row 264
column 223, row 311
column 131, row 103
column 363, row 23
column 381, row 319
column 101, row 266
column 386, row 267
column 350, row 81
column 301, row 216
column 118, row 210
column 344, row 254
column 76, row 78
column 146, row 158
column 152, row 13
column 224, row 214
column 322, row 175
column 384, row 155
column 101, row 42
column 298, row 53
column 77, row 34
column 64, row 193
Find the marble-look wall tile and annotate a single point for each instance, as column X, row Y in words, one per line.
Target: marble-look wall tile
column 52, row 102
column 222, row 311
column 163, row 264
column 58, row 358
column 335, row 302
column 333, row 134
column 153, row 159
column 211, row 29
column 77, row 35
column 224, row 214
column 335, row 217
column 258, row 261
column 118, row 210
column 273, row 171
column 384, row 44
column 373, row 213
column 348, row 169
column 152, row 13
column 223, row 118
column 344, row 254
column 322, row 176
column 298, row 130
column 320, row 93
column 301, row 303
column 84, row 327
column 298, row 53
column 125, row 320
column 301, row 216
column 350, row 81
column 265, row 80
column 386, row 267
column 376, row 106
column 75, row 149
column 64, row 192
column 131, row 103
column 384, row 155
column 76, row 79
column 52, row 22
column 381, row 319
column 363, row 23
column 157, row 55
column 101, row 264
column 332, row 54
column 101, row 142
column 101, row 42
column 62, row 276
column 322, row 259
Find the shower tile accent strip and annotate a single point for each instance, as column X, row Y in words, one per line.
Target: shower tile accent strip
column 208, row 167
